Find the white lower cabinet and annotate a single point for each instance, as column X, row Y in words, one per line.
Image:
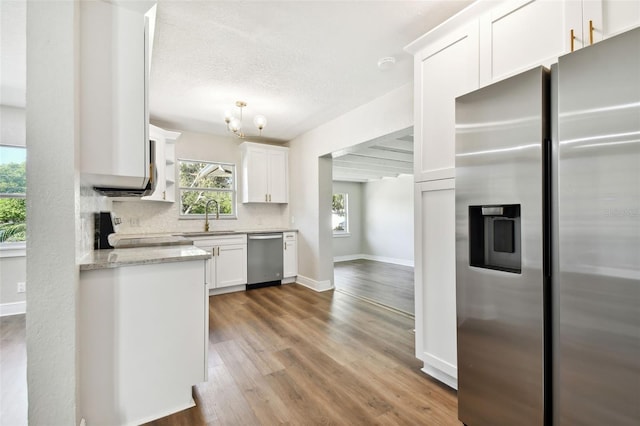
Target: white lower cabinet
column 435, row 277
column 143, row 340
column 228, row 265
column 290, row 255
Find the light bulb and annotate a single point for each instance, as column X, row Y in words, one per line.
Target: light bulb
column 235, row 124
column 260, row 121
column 227, row 116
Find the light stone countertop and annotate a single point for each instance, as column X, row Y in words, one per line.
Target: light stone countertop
column 115, row 258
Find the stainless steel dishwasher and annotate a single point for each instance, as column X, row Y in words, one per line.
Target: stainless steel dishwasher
column 264, row 260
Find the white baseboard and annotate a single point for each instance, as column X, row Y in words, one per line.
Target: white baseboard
column 440, row 370
column 348, row 257
column 288, row 280
column 440, row 376
column 225, row 290
column 318, row 286
column 14, row 308
column 404, row 262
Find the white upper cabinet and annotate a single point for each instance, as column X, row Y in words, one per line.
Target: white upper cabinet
column 518, row 35
column 165, row 160
column 115, row 49
column 443, row 70
column 602, row 19
column 265, row 173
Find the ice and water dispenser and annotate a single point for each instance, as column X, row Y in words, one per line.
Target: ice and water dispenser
column 494, row 237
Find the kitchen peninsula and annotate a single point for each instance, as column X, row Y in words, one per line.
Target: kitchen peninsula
column 143, row 329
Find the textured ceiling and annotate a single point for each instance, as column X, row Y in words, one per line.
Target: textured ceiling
column 300, row 63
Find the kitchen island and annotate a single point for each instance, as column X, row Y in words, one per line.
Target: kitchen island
column 143, row 333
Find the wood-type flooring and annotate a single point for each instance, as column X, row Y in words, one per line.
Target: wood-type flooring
column 288, row 355
column 385, row 283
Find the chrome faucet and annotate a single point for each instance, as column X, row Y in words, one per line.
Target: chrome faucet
column 206, row 214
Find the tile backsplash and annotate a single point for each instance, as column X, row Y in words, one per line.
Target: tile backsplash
column 147, row 217
column 90, row 202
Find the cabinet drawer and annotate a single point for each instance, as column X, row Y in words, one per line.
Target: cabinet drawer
column 222, row 240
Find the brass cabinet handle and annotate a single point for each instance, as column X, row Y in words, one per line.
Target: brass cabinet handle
column 266, row 198
column 269, row 197
column 285, row 245
column 572, row 38
column 218, row 251
column 590, row 31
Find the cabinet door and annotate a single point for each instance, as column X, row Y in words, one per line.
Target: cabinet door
column 609, row 17
column 443, row 71
column 231, row 265
column 113, row 125
column 278, row 171
column 435, row 275
column 255, row 170
column 519, row 35
column 290, row 256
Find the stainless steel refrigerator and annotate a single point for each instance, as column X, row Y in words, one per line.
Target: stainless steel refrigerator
column 548, row 243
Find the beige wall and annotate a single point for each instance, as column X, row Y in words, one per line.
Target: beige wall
column 156, row 217
column 309, row 204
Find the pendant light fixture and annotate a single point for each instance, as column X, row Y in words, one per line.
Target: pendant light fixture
column 234, row 124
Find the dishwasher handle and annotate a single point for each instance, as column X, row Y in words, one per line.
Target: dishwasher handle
column 265, row 237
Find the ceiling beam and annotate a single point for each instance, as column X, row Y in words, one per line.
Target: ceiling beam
column 374, row 162
column 383, row 154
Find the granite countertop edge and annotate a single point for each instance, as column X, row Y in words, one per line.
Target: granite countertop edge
column 115, row 258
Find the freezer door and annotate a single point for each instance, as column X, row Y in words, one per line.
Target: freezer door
column 597, row 381
column 500, row 131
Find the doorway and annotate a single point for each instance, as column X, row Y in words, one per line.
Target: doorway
column 372, row 220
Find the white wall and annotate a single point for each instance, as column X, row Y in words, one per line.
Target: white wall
column 386, row 114
column 157, row 217
column 388, row 220
column 351, row 244
column 53, row 205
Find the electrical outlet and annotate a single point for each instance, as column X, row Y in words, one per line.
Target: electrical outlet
column 134, row 221
column 22, row 287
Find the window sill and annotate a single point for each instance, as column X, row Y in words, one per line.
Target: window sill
column 341, row 234
column 18, row 249
column 201, row 217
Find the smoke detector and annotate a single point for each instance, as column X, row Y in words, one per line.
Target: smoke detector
column 386, row 63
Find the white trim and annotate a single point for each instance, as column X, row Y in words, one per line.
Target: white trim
column 404, row 262
column 14, row 308
column 440, row 376
column 288, row 280
column 318, row 286
column 225, row 290
column 13, row 249
column 347, row 258
column 341, row 234
column 440, row 364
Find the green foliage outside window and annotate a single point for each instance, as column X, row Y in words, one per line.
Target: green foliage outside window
column 13, row 186
column 339, row 213
column 201, row 181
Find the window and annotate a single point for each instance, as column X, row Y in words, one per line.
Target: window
column 201, row 181
column 339, row 219
column 13, row 188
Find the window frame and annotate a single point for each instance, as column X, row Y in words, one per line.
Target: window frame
column 345, row 232
column 233, row 191
column 14, row 248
